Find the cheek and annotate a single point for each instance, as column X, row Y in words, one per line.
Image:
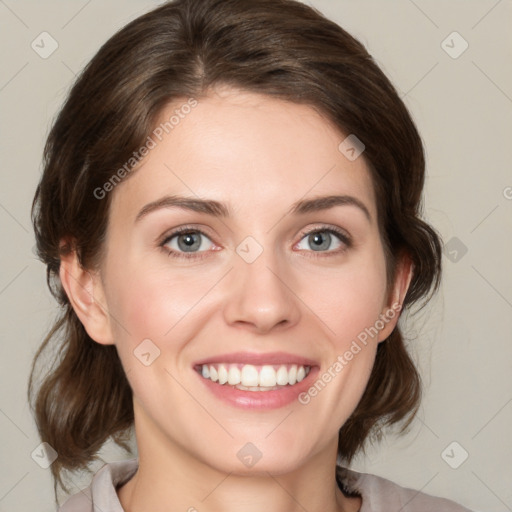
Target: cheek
column 349, row 299
column 349, row 302
column 349, row 351
column 151, row 320
column 155, row 304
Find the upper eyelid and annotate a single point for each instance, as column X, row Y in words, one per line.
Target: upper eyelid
column 337, row 230
column 182, row 230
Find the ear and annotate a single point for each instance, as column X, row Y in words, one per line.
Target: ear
column 392, row 310
column 85, row 293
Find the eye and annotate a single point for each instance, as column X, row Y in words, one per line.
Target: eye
column 321, row 239
column 185, row 242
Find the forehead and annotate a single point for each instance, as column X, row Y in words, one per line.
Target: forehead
column 247, row 150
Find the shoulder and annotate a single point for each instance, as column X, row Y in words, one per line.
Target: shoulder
column 101, row 493
column 381, row 495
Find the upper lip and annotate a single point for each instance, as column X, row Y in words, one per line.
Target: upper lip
column 258, row 359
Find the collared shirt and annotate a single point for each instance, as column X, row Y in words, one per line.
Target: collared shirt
column 377, row 493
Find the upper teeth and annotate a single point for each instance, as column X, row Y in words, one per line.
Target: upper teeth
column 252, row 376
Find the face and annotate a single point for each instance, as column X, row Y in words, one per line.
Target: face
column 259, row 290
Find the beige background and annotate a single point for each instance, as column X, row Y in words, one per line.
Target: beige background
column 463, row 341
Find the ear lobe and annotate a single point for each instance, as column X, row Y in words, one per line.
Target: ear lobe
column 85, row 293
column 391, row 313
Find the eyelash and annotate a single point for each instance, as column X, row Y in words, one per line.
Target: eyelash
column 344, row 238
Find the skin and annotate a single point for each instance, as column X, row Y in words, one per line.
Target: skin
column 258, row 155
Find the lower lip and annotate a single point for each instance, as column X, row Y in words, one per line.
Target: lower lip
column 259, row 399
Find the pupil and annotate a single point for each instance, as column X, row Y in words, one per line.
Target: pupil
column 321, row 241
column 187, row 241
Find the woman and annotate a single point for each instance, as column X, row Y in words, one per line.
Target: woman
column 230, row 217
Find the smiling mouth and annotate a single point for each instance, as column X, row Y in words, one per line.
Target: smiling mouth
column 248, row 377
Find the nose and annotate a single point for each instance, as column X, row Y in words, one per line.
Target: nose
column 260, row 294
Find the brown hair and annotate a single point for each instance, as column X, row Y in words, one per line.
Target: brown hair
column 280, row 48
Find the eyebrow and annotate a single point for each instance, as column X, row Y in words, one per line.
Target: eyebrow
column 218, row 209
